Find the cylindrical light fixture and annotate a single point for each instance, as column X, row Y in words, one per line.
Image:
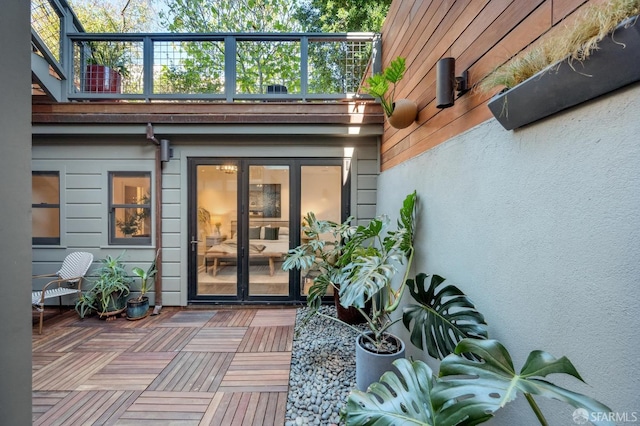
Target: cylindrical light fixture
column 445, row 82
column 165, row 150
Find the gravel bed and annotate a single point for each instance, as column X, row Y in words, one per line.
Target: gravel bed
column 323, row 370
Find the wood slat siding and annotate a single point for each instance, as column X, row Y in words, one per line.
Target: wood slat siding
column 480, row 35
column 361, row 112
column 166, row 369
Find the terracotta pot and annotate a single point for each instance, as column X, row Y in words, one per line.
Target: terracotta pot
column 404, row 113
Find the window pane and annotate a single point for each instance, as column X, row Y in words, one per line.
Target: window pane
column 133, row 222
column 45, row 188
column 45, row 222
column 320, row 194
column 130, row 208
column 131, row 190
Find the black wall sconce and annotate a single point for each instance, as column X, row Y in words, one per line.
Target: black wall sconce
column 447, row 84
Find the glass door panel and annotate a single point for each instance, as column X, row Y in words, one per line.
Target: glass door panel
column 320, row 193
column 268, row 231
column 217, row 201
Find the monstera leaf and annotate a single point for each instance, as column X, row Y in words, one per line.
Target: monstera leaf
column 443, row 316
column 405, row 400
column 491, row 382
column 468, row 392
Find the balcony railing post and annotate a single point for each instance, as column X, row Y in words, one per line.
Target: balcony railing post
column 304, row 67
column 147, row 67
column 376, row 54
column 230, row 47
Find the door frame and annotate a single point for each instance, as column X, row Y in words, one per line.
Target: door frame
column 243, row 163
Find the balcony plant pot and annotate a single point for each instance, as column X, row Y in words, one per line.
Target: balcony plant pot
column 371, row 365
column 102, row 79
column 612, row 65
column 404, row 113
column 116, row 306
column 349, row 315
column 137, row 308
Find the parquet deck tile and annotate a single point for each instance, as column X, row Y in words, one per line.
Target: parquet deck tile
column 165, row 340
column 202, row 367
column 267, row 339
column 258, row 372
column 216, row 339
column 274, row 318
column 232, row 318
column 188, row 319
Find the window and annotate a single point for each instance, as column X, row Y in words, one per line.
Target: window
column 45, row 220
column 129, row 208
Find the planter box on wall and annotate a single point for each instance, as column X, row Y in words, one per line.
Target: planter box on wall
column 616, row 63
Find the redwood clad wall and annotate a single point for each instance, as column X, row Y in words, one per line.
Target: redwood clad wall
column 480, row 35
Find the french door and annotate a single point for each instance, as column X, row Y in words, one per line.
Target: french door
column 245, row 214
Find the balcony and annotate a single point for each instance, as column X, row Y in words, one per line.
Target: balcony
column 68, row 64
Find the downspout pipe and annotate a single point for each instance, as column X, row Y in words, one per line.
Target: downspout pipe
column 158, row 216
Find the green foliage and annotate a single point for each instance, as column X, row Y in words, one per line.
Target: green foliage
column 117, row 16
column 468, row 391
column 360, row 263
column 343, row 15
column 379, row 84
column 443, row 316
column 259, row 64
column 147, row 278
column 112, row 284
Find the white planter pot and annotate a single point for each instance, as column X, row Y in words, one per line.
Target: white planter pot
column 370, row 366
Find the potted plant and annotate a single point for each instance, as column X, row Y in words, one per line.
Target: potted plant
column 597, row 54
column 402, row 112
column 108, row 294
column 318, row 258
column 368, row 258
column 468, row 389
column 105, row 67
column 138, row 307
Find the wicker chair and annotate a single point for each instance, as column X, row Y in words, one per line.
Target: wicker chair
column 73, row 269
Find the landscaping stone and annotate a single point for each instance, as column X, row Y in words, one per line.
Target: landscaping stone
column 322, row 370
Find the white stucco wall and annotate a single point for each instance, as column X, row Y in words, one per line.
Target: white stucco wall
column 541, row 227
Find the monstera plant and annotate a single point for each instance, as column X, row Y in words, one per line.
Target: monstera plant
column 469, row 389
column 361, row 263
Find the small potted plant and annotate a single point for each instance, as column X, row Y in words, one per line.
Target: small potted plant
column 138, row 307
column 402, row 112
column 105, row 67
column 108, row 295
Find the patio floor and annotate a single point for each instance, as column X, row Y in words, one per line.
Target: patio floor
column 184, row 366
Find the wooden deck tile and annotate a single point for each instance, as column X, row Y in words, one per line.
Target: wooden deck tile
column 232, row 318
column 112, row 340
column 267, row 339
column 274, row 318
column 129, row 371
column 188, row 319
column 258, row 372
column 217, row 339
column 70, row 371
column 193, row 372
column 165, row 340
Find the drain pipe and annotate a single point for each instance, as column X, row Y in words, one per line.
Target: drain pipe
column 163, row 154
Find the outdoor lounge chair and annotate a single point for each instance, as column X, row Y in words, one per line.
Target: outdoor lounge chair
column 73, row 269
